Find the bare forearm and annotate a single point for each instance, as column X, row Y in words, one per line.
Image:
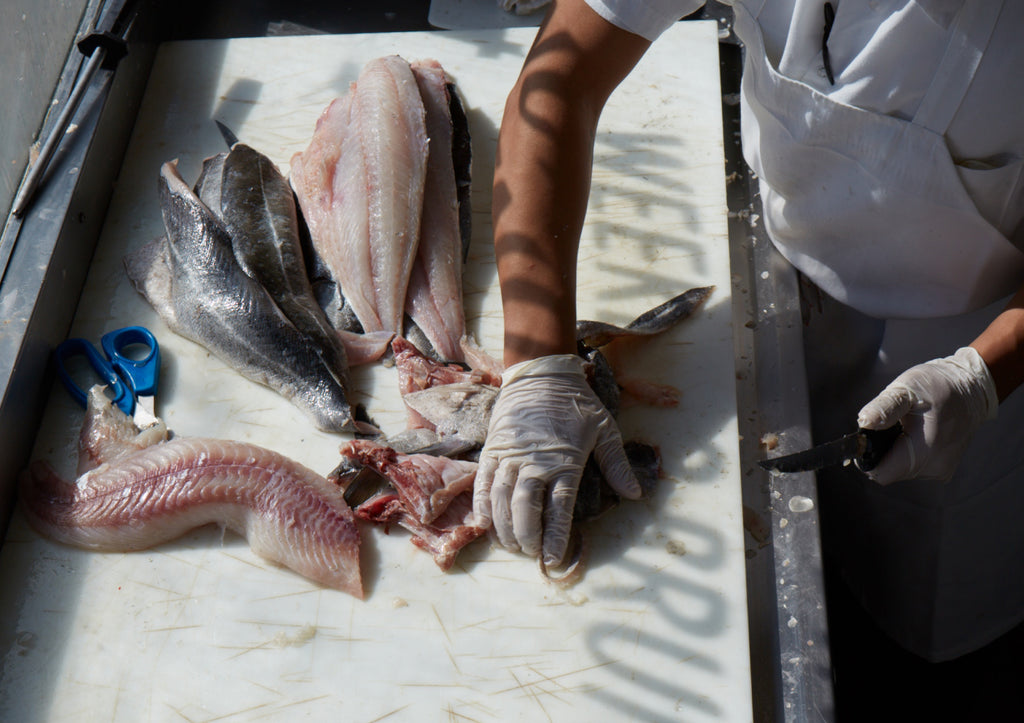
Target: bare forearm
column 542, row 173
column 1001, row 345
column 542, row 180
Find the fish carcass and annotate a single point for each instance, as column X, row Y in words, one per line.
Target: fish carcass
column 443, row 538
column 360, row 188
column 431, row 497
column 140, row 495
column 193, row 280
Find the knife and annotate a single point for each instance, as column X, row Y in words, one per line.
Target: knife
column 865, row 446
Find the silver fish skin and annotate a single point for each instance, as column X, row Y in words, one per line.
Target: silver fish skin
column 254, row 200
column 192, row 279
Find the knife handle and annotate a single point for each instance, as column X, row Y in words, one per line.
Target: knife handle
column 877, row 443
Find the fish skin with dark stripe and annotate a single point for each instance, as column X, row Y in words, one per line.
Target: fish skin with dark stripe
column 252, row 197
column 193, row 280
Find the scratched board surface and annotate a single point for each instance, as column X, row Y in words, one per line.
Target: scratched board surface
column 201, row 629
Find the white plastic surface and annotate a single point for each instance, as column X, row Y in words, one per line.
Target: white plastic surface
column 201, row 629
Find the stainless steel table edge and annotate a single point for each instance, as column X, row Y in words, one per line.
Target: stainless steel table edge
column 52, row 245
column 791, row 671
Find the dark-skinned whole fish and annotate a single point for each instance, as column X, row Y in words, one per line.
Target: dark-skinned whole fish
column 254, row 200
column 193, row 280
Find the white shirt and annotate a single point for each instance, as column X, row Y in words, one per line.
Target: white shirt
column 877, row 69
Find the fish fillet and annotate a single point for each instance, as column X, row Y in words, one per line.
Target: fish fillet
column 193, row 280
column 360, row 187
column 434, row 297
column 140, row 498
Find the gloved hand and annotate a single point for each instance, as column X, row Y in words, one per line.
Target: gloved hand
column 940, row 403
column 545, row 423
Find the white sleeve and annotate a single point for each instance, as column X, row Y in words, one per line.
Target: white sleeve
column 646, row 18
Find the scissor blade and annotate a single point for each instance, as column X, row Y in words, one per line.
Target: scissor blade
column 865, row 446
column 144, row 414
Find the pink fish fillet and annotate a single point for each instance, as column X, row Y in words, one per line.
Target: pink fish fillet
column 289, row 514
column 434, row 298
column 360, row 186
column 426, row 484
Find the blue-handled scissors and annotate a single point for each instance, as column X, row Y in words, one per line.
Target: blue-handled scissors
column 132, row 382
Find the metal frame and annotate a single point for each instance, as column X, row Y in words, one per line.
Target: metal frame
column 52, row 245
column 791, row 668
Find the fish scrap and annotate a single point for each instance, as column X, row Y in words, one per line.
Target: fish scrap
column 431, row 496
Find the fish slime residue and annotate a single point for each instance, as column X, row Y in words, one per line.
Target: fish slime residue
column 798, row 503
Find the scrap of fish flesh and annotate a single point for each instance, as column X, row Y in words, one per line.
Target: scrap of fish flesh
column 426, row 388
column 193, row 280
column 108, row 433
column 359, row 482
column 136, row 499
column 425, row 483
column 417, row 371
column 443, row 538
column 250, row 195
column 461, row 410
column 360, row 187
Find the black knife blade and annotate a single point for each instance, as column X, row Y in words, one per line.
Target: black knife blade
column 866, row 447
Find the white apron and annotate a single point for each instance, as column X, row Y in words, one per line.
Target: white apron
column 937, row 566
column 906, row 241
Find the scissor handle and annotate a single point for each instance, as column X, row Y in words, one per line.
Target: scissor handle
column 123, row 397
column 143, row 374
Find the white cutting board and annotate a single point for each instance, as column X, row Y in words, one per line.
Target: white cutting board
column 201, row 629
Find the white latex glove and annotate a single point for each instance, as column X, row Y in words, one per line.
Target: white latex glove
column 545, row 423
column 940, row 403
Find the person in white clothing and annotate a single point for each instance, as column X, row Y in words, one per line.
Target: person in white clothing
column 888, row 140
